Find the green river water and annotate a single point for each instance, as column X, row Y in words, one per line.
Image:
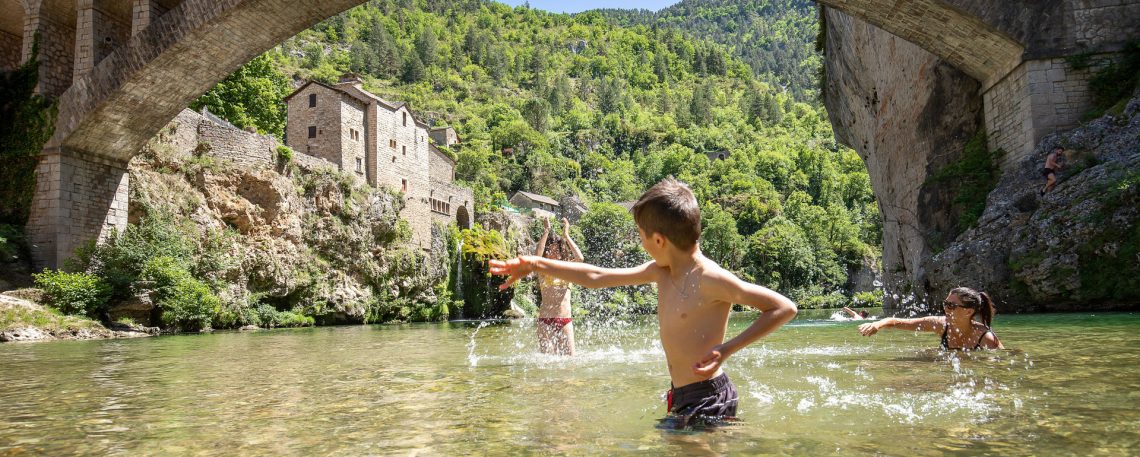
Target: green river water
column 1069, row 384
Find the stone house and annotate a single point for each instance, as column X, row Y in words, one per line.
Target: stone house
column 541, row 204
column 383, row 143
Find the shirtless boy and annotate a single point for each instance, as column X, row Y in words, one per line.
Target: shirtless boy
column 695, row 296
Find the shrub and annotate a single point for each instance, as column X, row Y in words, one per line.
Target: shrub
column 120, row 259
column 75, row 293
column 187, row 304
column 873, row 298
column 284, row 154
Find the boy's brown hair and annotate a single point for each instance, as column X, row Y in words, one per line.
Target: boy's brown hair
column 671, row 209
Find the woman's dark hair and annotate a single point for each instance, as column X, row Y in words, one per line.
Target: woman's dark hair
column 978, row 301
column 551, row 243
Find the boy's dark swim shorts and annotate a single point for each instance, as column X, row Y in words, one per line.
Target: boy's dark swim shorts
column 712, row 400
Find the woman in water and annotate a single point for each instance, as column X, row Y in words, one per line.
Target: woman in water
column 959, row 329
column 555, row 327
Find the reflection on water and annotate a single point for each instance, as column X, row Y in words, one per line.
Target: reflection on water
column 1069, row 386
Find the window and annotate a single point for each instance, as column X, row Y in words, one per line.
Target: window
column 392, row 143
column 403, row 185
column 352, row 134
column 439, row 206
column 393, row 159
column 405, row 119
column 359, row 165
column 312, row 100
column 312, row 131
column 405, row 150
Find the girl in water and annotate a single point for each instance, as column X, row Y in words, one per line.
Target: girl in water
column 555, row 327
column 959, row 329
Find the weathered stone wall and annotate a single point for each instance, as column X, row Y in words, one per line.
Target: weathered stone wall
column 1037, row 98
column 459, row 200
column 57, row 48
column 908, row 114
column 352, row 136
column 405, row 167
column 444, row 137
column 97, row 34
column 1056, row 28
column 326, row 117
column 9, row 51
column 75, row 194
column 143, row 12
column 440, row 168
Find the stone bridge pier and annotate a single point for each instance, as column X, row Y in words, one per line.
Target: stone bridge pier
column 120, row 70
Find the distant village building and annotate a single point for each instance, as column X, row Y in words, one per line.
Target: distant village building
column 444, row 136
column 383, row 143
column 543, row 205
column 717, row 155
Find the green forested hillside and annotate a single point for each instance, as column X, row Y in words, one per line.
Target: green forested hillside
column 603, row 111
column 775, row 37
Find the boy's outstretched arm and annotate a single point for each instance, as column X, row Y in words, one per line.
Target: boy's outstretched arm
column 583, row 274
column 777, row 311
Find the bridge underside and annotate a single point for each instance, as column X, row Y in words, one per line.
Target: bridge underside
column 124, row 68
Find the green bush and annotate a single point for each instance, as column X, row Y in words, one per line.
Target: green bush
column 269, row 317
column 873, row 299
column 284, row 154
column 121, row 258
column 187, row 304
column 75, row 293
column 832, row 300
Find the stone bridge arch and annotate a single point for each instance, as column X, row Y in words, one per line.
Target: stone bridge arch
column 962, row 39
column 167, row 54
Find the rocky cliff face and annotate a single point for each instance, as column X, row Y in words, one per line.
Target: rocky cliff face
column 907, row 114
column 910, row 116
column 1075, row 248
column 295, row 236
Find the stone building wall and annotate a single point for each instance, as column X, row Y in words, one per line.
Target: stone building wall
column 460, row 203
column 352, row 136
column 9, row 51
column 405, row 167
column 97, row 34
column 75, row 194
column 440, row 168
column 325, row 117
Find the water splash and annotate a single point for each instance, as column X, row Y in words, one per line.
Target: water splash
column 472, row 359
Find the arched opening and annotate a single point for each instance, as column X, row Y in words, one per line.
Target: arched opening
column 462, row 218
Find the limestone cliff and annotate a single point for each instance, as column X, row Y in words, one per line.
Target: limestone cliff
column 911, row 115
column 297, row 236
column 907, row 114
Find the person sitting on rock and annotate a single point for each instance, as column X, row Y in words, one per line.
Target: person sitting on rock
column 555, row 326
column 1052, row 164
column 959, row 329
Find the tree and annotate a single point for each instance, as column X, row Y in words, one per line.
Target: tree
column 426, row 46
column 387, row 55
column 413, row 70
column 252, row 96
column 611, row 96
column 701, row 107
column 536, row 111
